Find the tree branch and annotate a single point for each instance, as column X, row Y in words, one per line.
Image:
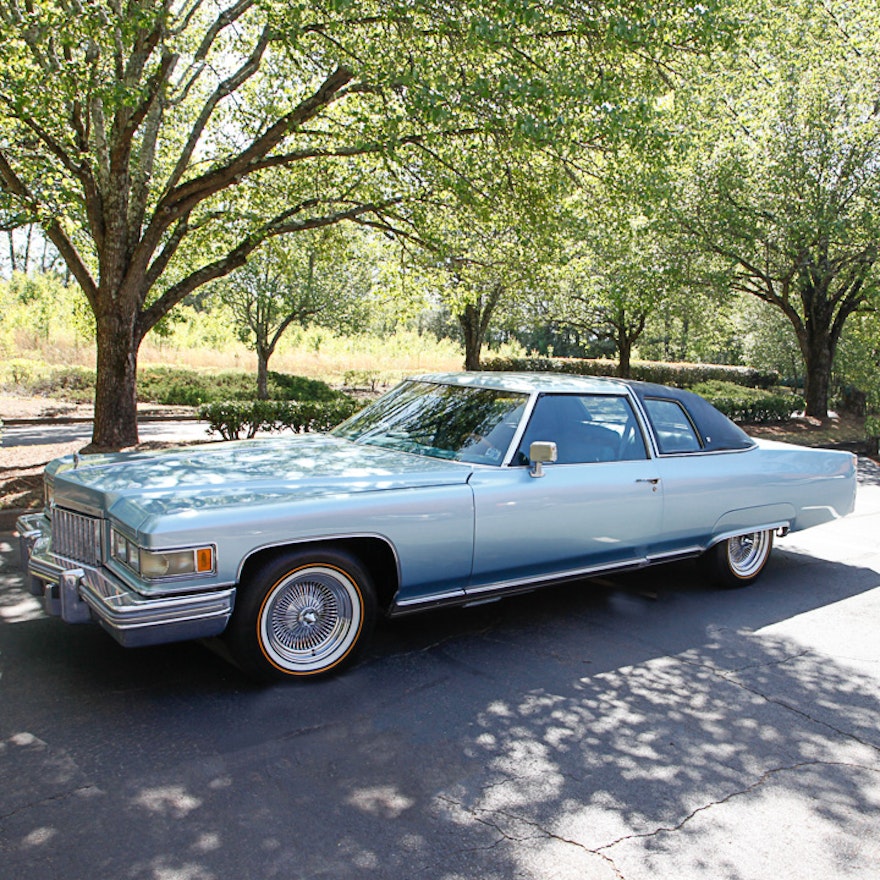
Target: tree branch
column 294, row 156
column 186, row 196
column 281, row 225
column 51, row 144
column 225, row 88
column 13, row 184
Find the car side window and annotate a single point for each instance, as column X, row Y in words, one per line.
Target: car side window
column 673, row 428
column 585, row 428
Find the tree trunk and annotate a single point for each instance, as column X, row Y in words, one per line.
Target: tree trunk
column 115, row 424
column 471, row 328
column 818, row 358
column 474, row 322
column 27, row 248
column 624, row 351
column 262, row 374
column 818, row 336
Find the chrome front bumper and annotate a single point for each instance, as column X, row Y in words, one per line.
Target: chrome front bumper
column 80, row 593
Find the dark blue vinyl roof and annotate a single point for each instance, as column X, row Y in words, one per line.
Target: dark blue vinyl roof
column 716, row 431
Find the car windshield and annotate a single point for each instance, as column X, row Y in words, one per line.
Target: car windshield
column 440, row 421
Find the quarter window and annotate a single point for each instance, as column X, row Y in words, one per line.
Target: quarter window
column 672, row 426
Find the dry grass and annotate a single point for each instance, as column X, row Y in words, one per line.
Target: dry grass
column 314, row 356
column 330, row 366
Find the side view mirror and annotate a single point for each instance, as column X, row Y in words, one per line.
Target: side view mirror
column 540, row 452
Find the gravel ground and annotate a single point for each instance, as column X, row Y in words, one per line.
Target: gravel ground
column 21, row 467
column 21, row 470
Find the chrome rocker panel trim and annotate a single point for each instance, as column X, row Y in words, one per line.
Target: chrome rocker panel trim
column 79, row 593
column 491, row 592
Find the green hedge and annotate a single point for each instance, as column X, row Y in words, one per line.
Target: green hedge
column 678, row 375
column 751, row 405
column 232, row 418
column 173, row 386
column 38, row 379
column 182, row 387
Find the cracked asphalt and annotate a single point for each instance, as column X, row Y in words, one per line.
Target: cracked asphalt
column 642, row 727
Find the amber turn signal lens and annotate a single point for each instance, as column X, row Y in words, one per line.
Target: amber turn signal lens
column 204, row 559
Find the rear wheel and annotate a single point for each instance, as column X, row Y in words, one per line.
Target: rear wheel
column 737, row 562
column 303, row 615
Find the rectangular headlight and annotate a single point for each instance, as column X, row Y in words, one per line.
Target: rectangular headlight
column 124, row 550
column 174, row 563
column 156, row 564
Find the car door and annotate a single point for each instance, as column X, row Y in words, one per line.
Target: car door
column 599, row 506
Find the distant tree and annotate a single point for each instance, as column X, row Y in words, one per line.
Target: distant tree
column 618, row 260
column 618, row 282
column 487, row 251
column 27, row 250
column 783, row 180
column 314, row 278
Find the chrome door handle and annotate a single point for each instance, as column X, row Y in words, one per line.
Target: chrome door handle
column 654, row 481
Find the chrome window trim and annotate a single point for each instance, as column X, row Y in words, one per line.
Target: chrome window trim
column 622, row 391
column 698, row 435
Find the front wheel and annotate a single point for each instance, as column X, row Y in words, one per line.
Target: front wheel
column 303, row 615
column 738, row 561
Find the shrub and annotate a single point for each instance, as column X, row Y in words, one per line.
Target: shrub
column 232, row 418
column 283, row 386
column 366, row 379
column 38, row 379
column 678, row 375
column 753, row 405
column 183, row 387
column 173, row 386
column 179, row 386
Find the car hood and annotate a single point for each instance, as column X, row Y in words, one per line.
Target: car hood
column 136, row 485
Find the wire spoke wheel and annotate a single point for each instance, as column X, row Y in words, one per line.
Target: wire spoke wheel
column 310, row 619
column 305, row 613
column 747, row 554
column 738, row 561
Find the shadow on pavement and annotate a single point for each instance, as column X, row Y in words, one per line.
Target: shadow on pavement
column 574, row 732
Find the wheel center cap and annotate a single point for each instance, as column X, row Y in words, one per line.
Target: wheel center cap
column 308, row 616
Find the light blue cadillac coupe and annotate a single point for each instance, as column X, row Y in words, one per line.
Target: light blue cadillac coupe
column 450, row 489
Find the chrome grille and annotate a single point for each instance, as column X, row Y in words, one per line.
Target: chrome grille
column 76, row 536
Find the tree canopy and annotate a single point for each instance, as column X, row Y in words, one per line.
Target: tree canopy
column 159, row 143
column 319, row 277
column 782, row 176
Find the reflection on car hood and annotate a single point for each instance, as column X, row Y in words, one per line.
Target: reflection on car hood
column 252, row 471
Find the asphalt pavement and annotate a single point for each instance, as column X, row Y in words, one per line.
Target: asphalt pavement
column 39, row 431
column 644, row 727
